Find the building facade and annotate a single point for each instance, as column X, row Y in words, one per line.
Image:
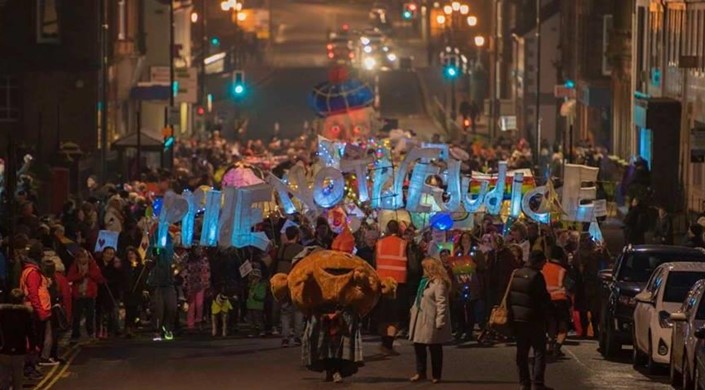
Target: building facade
column 669, row 97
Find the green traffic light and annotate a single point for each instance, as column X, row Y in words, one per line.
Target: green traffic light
column 168, row 143
column 407, row 15
column 239, row 89
column 570, row 84
column 215, row 41
column 451, row 72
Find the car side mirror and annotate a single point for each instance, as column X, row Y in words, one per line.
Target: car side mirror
column 605, row 275
column 645, row 297
column 700, row 333
column 678, row 316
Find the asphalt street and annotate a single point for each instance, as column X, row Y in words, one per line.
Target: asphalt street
column 214, row 363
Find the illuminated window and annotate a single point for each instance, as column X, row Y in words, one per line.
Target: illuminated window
column 47, row 21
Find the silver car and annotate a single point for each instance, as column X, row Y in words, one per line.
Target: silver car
column 684, row 343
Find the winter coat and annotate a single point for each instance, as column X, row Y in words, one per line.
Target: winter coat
column 430, row 317
column 528, row 299
column 64, row 290
column 197, row 275
column 16, row 329
column 92, row 279
column 256, row 296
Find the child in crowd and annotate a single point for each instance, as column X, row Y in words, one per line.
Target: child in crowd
column 15, row 332
column 255, row 302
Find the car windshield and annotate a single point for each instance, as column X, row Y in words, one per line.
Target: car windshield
column 679, row 283
column 639, row 266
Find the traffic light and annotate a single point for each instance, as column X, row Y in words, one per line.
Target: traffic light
column 238, row 88
column 200, row 111
column 215, row 41
column 409, row 11
column 450, row 66
column 570, row 84
column 168, row 137
column 466, row 122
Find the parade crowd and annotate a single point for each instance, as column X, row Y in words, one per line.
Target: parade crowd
column 56, row 288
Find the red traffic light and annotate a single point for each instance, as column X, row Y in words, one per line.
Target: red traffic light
column 466, row 122
column 411, row 7
column 200, row 111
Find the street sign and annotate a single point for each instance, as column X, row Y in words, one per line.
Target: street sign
column 697, row 145
column 159, row 74
column 561, row 91
column 508, row 122
column 187, row 81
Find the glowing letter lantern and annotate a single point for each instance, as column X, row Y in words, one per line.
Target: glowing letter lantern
column 359, row 167
column 173, row 209
column 453, row 188
column 187, row 222
column 246, row 216
column 328, row 187
column 573, row 192
column 330, row 152
column 515, row 205
column 209, row 231
column 383, row 172
column 544, row 217
column 287, row 205
column 415, row 154
column 493, row 199
column 418, row 187
column 298, row 186
column 473, row 205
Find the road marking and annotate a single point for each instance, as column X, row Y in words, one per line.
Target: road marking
column 574, row 356
column 63, row 369
column 54, row 368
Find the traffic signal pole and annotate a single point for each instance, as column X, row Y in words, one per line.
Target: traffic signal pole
column 169, row 157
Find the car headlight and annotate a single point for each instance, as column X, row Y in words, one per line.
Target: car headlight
column 392, row 57
column 626, row 301
column 367, row 49
column 386, row 49
column 369, row 63
column 364, row 40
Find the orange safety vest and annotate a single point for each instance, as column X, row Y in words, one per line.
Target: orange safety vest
column 44, row 297
column 390, row 257
column 552, row 273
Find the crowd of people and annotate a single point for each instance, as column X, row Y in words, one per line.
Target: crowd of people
column 58, row 282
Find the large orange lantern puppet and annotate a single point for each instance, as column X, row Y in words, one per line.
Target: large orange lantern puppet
column 334, row 289
column 345, row 106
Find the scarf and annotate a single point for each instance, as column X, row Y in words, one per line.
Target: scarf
column 419, row 292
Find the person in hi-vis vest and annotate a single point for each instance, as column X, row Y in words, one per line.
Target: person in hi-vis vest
column 391, row 261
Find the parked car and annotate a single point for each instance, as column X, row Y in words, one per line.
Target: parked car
column 689, row 318
column 699, row 369
column 664, row 294
column 627, row 278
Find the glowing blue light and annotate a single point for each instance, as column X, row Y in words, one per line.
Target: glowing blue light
column 239, row 89
column 441, row 221
column 515, row 204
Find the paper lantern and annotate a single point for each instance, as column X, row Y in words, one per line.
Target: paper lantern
column 453, row 185
column 209, row 231
column 418, row 187
column 574, row 193
column 245, row 216
column 493, row 199
column 173, row 208
column 383, row 172
column 541, row 217
column 470, row 204
column 188, row 220
column 359, row 168
column 516, row 200
column 415, row 154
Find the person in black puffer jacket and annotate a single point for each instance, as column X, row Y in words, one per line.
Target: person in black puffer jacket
column 529, row 302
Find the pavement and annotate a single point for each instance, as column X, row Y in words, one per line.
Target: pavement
column 214, row 363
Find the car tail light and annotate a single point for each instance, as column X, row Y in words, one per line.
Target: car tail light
column 351, row 55
column 329, row 46
column 330, row 54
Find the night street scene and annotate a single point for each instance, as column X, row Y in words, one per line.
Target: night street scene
column 365, row 194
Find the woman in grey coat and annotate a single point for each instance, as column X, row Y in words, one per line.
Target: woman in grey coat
column 430, row 319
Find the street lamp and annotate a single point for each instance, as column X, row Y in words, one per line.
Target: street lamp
column 464, row 9
column 479, row 41
column 472, row 21
column 194, row 17
column 447, row 9
column 440, row 19
column 455, row 6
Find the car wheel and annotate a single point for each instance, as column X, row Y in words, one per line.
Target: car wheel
column 675, row 376
column 610, row 346
column 638, row 357
column 687, row 381
column 696, row 379
column 650, row 363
